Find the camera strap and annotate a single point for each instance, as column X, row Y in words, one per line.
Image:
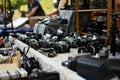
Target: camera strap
column 25, row 52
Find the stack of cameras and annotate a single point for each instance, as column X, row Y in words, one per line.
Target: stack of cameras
column 88, row 4
column 96, row 27
column 34, row 70
column 61, row 43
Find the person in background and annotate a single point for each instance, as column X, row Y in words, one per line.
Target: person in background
column 34, row 9
column 58, row 4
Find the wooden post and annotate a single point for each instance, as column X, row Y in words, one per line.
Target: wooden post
column 77, row 15
column 109, row 17
column 117, row 9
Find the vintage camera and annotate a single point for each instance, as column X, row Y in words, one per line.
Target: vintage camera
column 54, row 38
column 38, row 74
column 21, row 37
column 102, row 4
column 84, row 4
column 46, row 41
column 32, row 40
column 74, row 43
column 74, row 34
column 34, row 35
column 74, row 39
column 61, row 46
column 52, row 24
column 60, row 33
column 91, row 44
column 95, row 27
column 84, row 18
column 86, row 49
column 53, row 42
column 98, row 45
column 4, row 51
column 104, row 52
column 86, row 40
column 29, row 63
column 33, row 43
column 49, row 52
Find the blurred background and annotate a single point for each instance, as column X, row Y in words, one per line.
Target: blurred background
column 17, row 5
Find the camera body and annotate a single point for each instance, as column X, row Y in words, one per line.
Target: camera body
column 102, row 4
column 90, row 67
column 29, row 63
column 62, row 47
column 38, row 74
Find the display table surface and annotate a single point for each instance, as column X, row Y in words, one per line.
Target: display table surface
column 51, row 64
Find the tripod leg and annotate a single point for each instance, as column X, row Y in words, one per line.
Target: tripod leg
column 113, row 36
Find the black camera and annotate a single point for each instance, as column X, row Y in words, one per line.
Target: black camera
column 98, row 4
column 98, row 45
column 95, row 27
column 104, row 52
column 29, row 63
column 21, row 37
column 46, row 41
column 86, row 49
column 84, row 4
column 61, row 47
column 32, row 40
column 32, row 43
column 75, row 40
column 49, row 52
column 90, row 67
column 38, row 74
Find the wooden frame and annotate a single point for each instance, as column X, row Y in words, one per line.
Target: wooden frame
column 108, row 10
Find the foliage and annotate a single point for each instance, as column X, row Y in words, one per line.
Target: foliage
column 47, row 5
column 14, row 3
